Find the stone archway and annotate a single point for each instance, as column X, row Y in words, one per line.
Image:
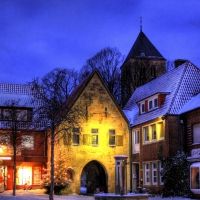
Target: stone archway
column 93, row 176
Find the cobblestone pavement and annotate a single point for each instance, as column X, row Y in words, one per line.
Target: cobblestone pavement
column 39, row 194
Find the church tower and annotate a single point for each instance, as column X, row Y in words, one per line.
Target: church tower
column 143, row 63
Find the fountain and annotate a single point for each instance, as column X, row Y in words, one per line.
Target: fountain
column 120, row 184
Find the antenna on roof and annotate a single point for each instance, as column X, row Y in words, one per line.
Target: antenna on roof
column 140, row 24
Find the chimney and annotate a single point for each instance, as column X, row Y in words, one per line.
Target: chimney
column 179, row 62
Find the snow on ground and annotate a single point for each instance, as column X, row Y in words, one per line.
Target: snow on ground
column 172, row 198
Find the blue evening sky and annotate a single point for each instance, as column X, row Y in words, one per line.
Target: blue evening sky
column 37, row 36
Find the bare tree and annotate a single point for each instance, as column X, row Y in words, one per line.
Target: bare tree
column 108, row 62
column 58, row 115
column 15, row 120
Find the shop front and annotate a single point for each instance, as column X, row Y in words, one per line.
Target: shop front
column 27, row 173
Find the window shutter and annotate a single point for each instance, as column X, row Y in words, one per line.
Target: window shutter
column 86, row 139
column 146, row 106
column 119, row 140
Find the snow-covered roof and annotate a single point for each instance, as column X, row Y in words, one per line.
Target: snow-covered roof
column 22, row 99
column 181, row 84
column 15, row 92
column 194, row 103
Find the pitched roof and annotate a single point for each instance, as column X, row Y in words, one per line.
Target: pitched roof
column 15, row 92
column 194, row 103
column 181, row 84
column 143, row 48
column 79, row 89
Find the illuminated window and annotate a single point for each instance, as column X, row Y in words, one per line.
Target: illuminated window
column 154, row 173
column 196, row 133
column 153, row 131
column 136, row 141
column 28, row 142
column 24, row 175
column 160, row 130
column 146, row 134
column 195, row 178
column 94, row 137
column 112, row 137
column 147, row 174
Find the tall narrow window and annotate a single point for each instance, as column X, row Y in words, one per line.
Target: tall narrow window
column 136, row 141
column 146, row 134
column 112, row 141
column 153, row 131
column 196, row 133
column 154, row 173
column 150, row 105
column 155, row 102
column 160, row 173
column 160, row 130
column 94, row 137
column 75, row 137
column 143, row 108
column 153, row 71
column 146, row 174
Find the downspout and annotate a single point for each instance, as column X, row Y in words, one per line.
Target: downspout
column 179, row 135
column 130, row 157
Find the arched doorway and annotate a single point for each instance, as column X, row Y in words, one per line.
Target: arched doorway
column 93, row 176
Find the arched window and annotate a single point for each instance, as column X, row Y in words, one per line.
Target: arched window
column 70, row 174
column 153, row 71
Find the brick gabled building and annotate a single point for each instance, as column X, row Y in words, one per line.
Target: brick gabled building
column 30, row 147
column 154, row 114
column 190, row 116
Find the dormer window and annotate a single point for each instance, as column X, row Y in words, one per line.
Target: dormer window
column 155, row 102
column 150, row 105
column 143, row 108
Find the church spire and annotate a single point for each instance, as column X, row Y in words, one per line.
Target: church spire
column 140, row 24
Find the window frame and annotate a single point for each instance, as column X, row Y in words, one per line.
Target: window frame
column 154, row 173
column 196, row 133
column 26, row 143
column 153, row 132
column 146, row 134
column 76, row 136
column 147, row 175
column 160, row 167
column 112, row 134
column 150, row 104
column 94, row 137
column 136, row 141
